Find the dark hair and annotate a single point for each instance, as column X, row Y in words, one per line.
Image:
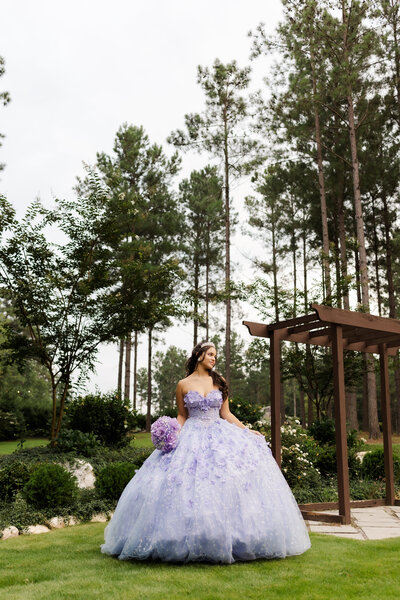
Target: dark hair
column 193, row 360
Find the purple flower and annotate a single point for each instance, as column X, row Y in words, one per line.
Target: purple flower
column 165, row 433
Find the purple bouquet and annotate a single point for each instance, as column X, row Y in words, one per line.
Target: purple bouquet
column 165, row 433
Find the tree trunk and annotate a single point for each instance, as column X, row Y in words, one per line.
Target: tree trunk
column 149, row 379
column 302, row 409
column 343, row 249
column 376, row 258
column 373, row 424
column 196, row 302
column 321, row 182
column 128, row 351
column 135, row 348
column 227, row 255
column 207, row 294
column 120, row 365
column 310, row 416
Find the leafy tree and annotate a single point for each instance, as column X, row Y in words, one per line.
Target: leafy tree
column 221, row 131
column 169, row 369
column 60, row 289
column 201, row 196
column 146, row 226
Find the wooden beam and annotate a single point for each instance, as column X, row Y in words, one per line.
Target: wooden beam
column 386, row 425
column 275, row 380
column 307, row 326
column 365, row 320
column 309, row 515
column 293, row 322
column 257, row 329
column 376, row 337
column 320, row 332
column 340, row 423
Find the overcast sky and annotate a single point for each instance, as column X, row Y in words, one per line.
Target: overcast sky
column 77, row 70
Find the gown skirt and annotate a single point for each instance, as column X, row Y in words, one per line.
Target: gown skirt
column 218, row 497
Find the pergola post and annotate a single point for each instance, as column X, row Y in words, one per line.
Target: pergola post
column 386, row 425
column 340, row 423
column 275, row 380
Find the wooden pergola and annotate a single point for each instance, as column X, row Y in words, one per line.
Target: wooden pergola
column 340, row 330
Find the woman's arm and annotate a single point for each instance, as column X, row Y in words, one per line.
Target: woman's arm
column 182, row 410
column 228, row 416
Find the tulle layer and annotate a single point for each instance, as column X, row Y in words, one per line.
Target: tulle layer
column 218, row 497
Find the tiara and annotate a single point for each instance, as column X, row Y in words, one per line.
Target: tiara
column 208, row 344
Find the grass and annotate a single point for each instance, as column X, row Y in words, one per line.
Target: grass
column 68, row 564
column 142, row 440
column 9, row 447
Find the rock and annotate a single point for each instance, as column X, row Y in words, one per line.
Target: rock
column 83, row 471
column 9, row 532
column 56, row 523
column 361, row 455
column 99, row 518
column 35, row 529
column 71, row 521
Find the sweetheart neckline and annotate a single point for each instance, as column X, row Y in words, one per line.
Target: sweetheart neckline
column 200, row 394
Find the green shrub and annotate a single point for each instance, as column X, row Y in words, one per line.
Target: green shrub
column 73, row 440
column 373, row 465
column 136, row 420
column 49, row 486
column 105, row 415
column 245, row 411
column 12, row 425
column 13, row 477
column 112, row 479
column 323, row 431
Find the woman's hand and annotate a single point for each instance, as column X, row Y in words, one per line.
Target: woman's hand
column 256, row 432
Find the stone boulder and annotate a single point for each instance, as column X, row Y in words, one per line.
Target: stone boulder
column 83, row 471
column 9, row 532
column 35, row 529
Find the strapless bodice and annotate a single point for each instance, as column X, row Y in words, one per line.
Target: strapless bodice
column 203, row 407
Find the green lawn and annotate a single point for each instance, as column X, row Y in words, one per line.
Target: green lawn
column 8, row 447
column 67, row 564
column 142, row 440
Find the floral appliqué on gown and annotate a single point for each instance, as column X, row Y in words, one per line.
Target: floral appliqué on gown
column 219, row 496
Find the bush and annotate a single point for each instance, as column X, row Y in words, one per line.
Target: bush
column 12, row 425
column 245, row 411
column 73, row 440
column 136, row 420
column 105, row 415
column 50, row 486
column 112, row 479
column 373, row 465
column 13, row 477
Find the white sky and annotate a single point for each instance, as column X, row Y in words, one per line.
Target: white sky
column 77, row 70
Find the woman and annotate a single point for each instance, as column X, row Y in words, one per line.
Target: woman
column 219, row 496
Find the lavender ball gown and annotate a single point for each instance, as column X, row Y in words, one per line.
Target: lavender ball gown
column 219, row 496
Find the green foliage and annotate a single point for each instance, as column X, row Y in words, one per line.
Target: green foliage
column 103, row 415
column 373, row 465
column 12, row 425
column 169, row 369
column 50, row 485
column 323, row 432
column 13, row 478
column 60, row 291
column 73, row 440
column 112, row 479
column 245, row 411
